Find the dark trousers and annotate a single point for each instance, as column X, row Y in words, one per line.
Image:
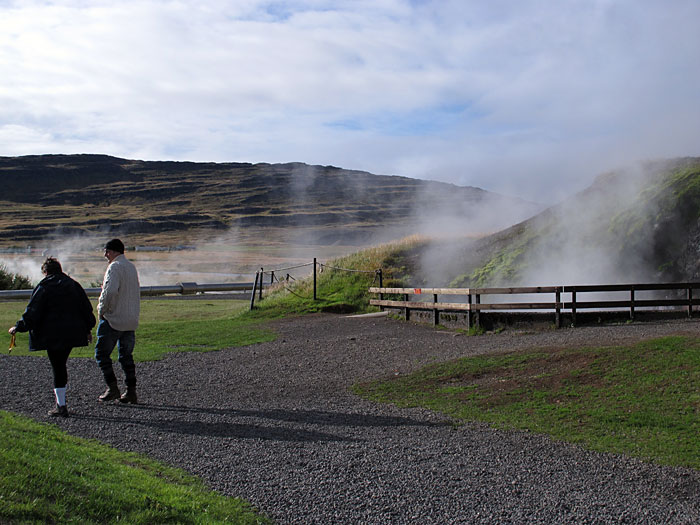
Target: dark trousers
column 107, row 338
column 58, row 358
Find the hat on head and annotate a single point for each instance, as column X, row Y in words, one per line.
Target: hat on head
column 115, row 245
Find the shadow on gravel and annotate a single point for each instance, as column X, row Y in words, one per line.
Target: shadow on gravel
column 221, row 429
column 312, row 417
column 232, row 429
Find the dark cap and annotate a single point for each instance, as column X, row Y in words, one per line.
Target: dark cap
column 115, row 245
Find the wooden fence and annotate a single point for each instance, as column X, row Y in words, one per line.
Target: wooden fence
column 563, row 298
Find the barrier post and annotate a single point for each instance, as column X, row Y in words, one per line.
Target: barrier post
column 469, row 311
column 557, row 314
column 252, row 295
column 262, row 276
column 314, row 278
column 632, row 303
column 690, row 301
column 381, row 285
column 436, row 312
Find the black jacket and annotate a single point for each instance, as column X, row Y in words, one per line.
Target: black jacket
column 59, row 314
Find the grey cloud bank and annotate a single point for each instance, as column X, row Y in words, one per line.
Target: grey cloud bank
column 530, row 99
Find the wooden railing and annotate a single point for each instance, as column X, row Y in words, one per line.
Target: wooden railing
column 564, row 298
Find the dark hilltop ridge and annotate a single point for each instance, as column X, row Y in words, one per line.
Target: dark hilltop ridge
column 171, row 202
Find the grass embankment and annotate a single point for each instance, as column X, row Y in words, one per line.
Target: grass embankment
column 641, row 400
column 170, row 326
column 47, row 476
column 341, row 285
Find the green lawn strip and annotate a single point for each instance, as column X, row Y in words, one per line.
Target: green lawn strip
column 171, row 326
column 47, row 476
column 642, row 400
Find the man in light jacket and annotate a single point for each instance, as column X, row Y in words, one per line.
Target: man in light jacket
column 118, row 310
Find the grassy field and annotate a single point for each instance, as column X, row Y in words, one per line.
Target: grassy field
column 641, row 400
column 169, row 326
column 47, row 476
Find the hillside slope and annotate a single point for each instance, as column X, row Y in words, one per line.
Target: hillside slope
column 175, row 202
column 638, row 224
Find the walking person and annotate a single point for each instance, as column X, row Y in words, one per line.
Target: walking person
column 58, row 318
column 118, row 310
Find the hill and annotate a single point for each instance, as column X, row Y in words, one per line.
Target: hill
column 635, row 224
column 179, row 202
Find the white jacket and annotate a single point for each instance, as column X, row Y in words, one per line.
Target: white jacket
column 120, row 300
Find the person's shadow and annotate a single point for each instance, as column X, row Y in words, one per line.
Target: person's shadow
column 300, row 419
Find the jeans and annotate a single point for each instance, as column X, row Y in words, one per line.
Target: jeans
column 107, row 338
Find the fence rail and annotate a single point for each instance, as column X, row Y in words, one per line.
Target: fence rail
column 180, row 288
column 566, row 298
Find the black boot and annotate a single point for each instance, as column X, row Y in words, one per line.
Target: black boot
column 112, row 392
column 59, row 411
column 129, row 396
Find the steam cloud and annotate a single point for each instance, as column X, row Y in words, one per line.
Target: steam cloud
column 609, row 233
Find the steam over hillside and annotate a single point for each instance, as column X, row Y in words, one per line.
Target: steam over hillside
column 639, row 224
column 636, row 224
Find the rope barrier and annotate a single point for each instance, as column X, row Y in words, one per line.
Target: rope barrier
column 288, row 268
column 294, row 293
column 346, row 269
column 275, row 275
column 321, row 265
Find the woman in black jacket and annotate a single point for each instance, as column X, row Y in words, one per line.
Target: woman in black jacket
column 58, row 318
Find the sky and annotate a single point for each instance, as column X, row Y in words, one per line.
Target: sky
column 522, row 97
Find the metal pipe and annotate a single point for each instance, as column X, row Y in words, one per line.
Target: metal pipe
column 180, row 288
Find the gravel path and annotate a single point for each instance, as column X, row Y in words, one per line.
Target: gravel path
column 274, row 423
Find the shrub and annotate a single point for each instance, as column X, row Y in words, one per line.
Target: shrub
column 13, row 281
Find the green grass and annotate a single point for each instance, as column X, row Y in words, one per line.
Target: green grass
column 337, row 289
column 47, row 476
column 641, row 400
column 169, row 326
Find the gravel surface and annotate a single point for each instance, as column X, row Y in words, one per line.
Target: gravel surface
column 275, row 424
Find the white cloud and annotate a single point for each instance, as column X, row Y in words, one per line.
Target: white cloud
column 531, row 98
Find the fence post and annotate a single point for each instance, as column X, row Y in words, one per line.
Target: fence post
column 469, row 311
column 573, row 307
column 407, row 310
column 557, row 314
column 477, row 312
column 436, row 312
column 690, row 301
column 272, row 277
column 632, row 303
column 262, row 276
column 381, row 285
column 252, row 295
column 314, row 278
